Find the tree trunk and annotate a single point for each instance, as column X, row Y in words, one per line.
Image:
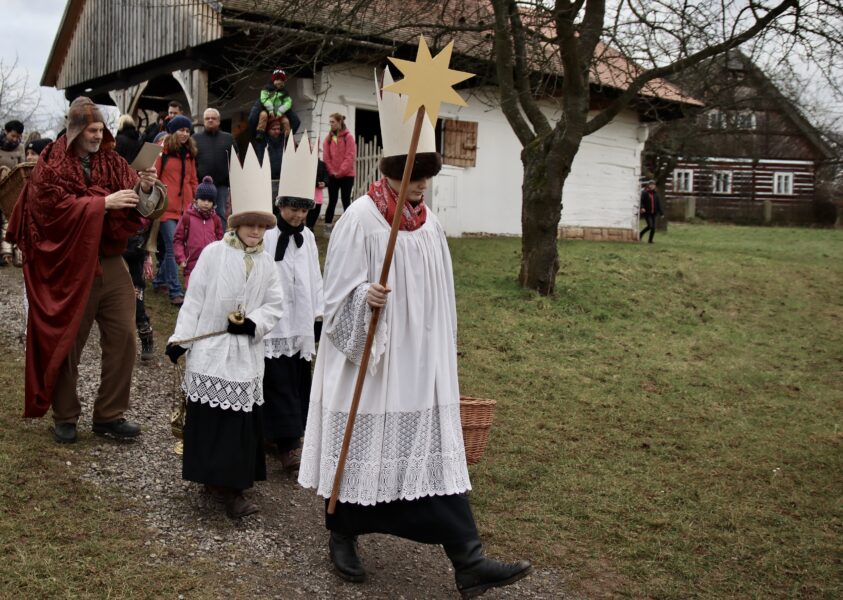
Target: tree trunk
column 541, row 209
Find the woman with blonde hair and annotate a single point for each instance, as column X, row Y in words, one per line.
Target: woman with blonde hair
column 339, row 153
column 128, row 138
column 177, row 170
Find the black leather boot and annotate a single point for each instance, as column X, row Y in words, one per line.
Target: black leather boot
column 475, row 574
column 343, row 551
column 146, row 340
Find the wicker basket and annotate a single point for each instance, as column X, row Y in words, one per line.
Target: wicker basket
column 11, row 185
column 476, row 415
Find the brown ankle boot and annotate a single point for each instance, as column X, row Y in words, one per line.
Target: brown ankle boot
column 238, row 506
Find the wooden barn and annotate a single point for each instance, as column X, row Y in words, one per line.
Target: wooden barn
column 750, row 157
column 138, row 55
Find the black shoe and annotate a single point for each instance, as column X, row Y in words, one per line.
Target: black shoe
column 64, row 433
column 146, row 340
column 343, row 551
column 475, row 574
column 120, row 429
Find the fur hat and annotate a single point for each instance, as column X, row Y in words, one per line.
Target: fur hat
column 84, row 112
column 295, row 202
column 179, row 122
column 427, row 164
column 206, row 190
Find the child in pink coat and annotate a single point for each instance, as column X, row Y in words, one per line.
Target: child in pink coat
column 199, row 226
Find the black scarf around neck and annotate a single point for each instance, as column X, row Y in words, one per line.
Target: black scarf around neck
column 287, row 231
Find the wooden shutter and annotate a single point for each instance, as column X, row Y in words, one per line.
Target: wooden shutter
column 460, row 143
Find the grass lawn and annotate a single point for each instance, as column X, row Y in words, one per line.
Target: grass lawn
column 669, row 425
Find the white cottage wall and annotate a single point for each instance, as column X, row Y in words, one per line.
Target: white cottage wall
column 600, row 192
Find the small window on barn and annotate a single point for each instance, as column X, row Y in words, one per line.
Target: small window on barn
column 683, row 180
column 722, row 182
column 783, row 184
column 714, row 119
column 745, row 119
column 459, row 143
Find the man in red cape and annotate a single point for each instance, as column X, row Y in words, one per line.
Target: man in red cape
column 72, row 221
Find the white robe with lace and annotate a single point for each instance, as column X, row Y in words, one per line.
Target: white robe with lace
column 226, row 371
column 407, row 441
column 303, row 298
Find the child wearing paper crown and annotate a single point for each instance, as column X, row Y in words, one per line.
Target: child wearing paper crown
column 291, row 345
column 235, row 298
column 199, row 226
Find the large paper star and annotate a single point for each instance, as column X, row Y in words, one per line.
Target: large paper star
column 427, row 81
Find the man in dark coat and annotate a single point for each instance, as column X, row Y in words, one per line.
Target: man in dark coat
column 215, row 148
column 73, row 218
column 651, row 207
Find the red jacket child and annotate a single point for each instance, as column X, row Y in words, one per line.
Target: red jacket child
column 199, row 226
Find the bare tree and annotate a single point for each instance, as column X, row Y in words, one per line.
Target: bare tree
column 588, row 59
column 19, row 99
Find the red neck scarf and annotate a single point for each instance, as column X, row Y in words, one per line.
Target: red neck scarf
column 412, row 217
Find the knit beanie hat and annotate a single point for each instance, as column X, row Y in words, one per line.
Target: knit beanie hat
column 38, row 145
column 179, row 122
column 206, row 190
column 84, row 112
column 279, row 73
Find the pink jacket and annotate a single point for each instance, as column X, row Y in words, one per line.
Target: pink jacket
column 193, row 233
column 339, row 155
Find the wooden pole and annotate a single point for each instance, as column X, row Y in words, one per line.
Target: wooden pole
column 376, row 312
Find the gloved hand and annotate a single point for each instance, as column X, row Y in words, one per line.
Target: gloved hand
column 174, row 351
column 317, row 330
column 245, row 328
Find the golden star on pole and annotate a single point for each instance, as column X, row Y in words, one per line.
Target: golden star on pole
column 427, row 81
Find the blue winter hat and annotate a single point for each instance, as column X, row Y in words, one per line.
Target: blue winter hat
column 206, row 190
column 179, row 122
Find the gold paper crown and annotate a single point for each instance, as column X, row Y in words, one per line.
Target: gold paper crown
column 298, row 169
column 251, row 188
column 396, row 132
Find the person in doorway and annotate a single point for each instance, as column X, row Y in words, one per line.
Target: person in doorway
column 651, row 209
column 339, row 153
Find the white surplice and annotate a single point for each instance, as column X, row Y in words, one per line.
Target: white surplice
column 304, row 300
column 407, row 441
column 226, row 370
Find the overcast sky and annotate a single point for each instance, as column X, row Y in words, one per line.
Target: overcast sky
column 29, row 28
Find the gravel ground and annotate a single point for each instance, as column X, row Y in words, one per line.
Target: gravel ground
column 279, row 553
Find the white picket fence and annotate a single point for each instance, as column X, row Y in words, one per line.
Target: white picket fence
column 368, row 158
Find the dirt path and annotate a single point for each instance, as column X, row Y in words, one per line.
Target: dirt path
column 279, row 553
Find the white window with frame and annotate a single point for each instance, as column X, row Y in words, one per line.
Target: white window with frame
column 783, row 184
column 721, row 182
column 745, row 119
column 714, row 119
column 683, row 180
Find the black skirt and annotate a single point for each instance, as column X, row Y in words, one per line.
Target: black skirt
column 429, row 520
column 286, row 396
column 223, row 447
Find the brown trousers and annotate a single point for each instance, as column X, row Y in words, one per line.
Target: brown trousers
column 112, row 306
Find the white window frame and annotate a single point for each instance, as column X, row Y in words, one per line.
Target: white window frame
column 683, row 180
column 715, row 119
column 742, row 115
column 717, row 178
column 787, row 180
